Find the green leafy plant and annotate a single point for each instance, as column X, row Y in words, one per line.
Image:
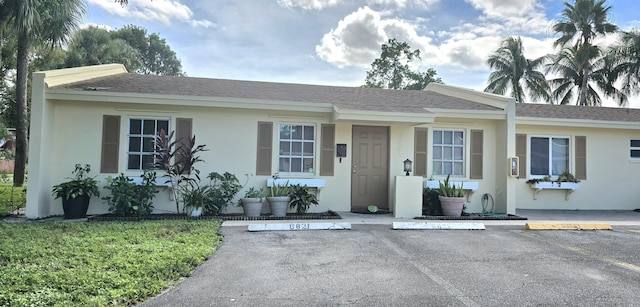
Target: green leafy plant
column 566, row 176
column 128, row 198
column 255, row 193
column 537, row 180
column 221, row 190
column 431, row 202
column 78, row 185
column 12, row 198
column 278, row 190
column 177, row 159
column 448, row 189
column 301, row 198
column 194, row 196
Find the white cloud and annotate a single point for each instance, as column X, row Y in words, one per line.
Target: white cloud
column 503, row 8
column 161, row 10
column 403, row 3
column 309, row 4
column 100, row 26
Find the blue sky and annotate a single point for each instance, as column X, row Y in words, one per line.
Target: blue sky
column 333, row 42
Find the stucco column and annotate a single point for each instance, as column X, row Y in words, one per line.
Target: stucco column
column 407, row 202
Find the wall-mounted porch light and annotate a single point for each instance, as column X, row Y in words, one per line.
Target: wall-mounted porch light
column 407, row 166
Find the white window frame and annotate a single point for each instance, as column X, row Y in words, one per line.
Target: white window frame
column 632, row 148
column 142, row 135
column 290, row 156
column 453, row 146
column 550, row 154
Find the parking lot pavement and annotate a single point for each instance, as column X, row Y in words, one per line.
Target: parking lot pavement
column 373, row 265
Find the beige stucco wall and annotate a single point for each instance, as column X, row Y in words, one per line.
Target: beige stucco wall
column 230, row 136
column 612, row 178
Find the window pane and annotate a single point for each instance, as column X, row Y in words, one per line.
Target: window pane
column 635, row 153
column 147, row 145
column 448, row 137
column 309, row 133
column 308, row 149
column 560, row 155
column 437, row 168
column 134, row 162
column 135, row 126
column 164, row 125
column 447, row 168
column 149, row 126
column 458, row 152
column 285, row 148
column 437, row 152
column 296, row 165
column 147, row 162
column 539, row 156
column 135, row 144
column 285, row 132
column 447, row 153
column 308, row 165
column 437, row 137
column 284, row 165
column 296, row 133
column 635, row 143
column 458, row 138
column 457, row 169
column 296, row 149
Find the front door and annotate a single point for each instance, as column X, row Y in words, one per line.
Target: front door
column 370, row 168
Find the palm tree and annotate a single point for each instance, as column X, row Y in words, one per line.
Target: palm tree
column 47, row 22
column 578, row 26
column 514, row 73
column 627, row 54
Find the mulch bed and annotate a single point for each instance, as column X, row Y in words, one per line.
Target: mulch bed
column 329, row 215
column 472, row 217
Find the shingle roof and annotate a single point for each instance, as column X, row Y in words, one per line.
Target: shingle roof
column 353, row 98
column 577, row 112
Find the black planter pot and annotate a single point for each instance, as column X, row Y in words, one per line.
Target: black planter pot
column 76, row 208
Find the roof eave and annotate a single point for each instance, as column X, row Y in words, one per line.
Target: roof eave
column 346, row 115
column 586, row 123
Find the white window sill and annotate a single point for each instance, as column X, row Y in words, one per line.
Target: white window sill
column 568, row 187
column 160, row 182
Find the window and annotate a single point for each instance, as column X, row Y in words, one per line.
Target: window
column 141, row 144
column 634, row 149
column 448, row 152
column 549, row 155
column 296, row 148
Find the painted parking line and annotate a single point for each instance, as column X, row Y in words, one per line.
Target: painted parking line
column 634, row 230
column 581, row 251
column 567, row 226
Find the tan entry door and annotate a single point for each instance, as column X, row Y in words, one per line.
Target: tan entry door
column 370, row 168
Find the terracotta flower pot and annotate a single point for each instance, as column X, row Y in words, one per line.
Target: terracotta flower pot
column 451, row 206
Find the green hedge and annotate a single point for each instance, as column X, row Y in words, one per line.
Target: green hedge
column 98, row 264
column 11, row 198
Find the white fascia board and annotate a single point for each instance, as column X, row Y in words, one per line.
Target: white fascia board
column 69, row 75
column 475, row 114
column 192, row 101
column 341, row 115
column 494, row 100
column 566, row 122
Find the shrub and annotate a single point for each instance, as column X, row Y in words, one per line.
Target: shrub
column 431, row 202
column 130, row 199
column 221, row 191
column 301, row 199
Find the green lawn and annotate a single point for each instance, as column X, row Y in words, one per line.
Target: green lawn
column 98, row 263
column 11, row 198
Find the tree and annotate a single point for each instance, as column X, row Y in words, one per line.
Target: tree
column 578, row 26
column 93, row 46
column 45, row 22
column 514, row 73
column 391, row 70
column 627, row 56
column 156, row 56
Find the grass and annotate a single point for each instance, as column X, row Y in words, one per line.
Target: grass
column 98, row 264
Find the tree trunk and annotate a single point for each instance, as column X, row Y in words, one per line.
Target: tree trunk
column 21, row 110
column 582, row 95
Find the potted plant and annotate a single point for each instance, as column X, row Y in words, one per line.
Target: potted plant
column 76, row 193
column 252, row 201
column 451, row 198
column 130, row 199
column 279, row 197
column 301, row 198
column 194, row 198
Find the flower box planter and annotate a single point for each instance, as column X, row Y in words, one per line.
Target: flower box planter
column 568, row 187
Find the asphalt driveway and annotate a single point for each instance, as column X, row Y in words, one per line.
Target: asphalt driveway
column 373, row 265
